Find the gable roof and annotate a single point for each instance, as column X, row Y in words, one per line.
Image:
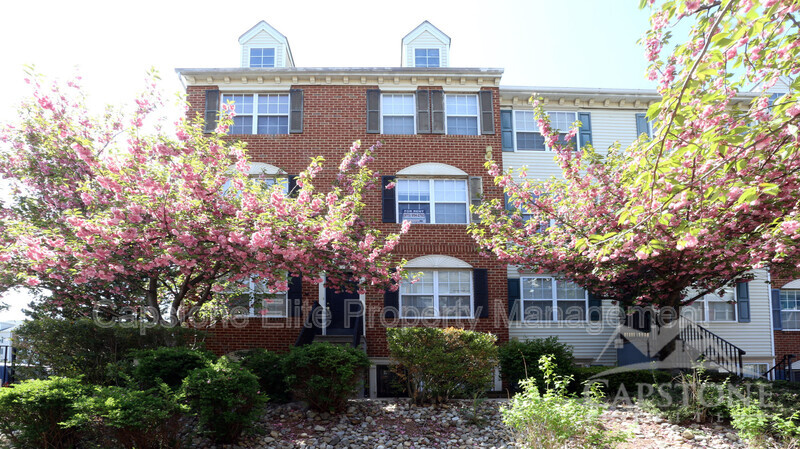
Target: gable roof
column 269, row 29
column 427, row 26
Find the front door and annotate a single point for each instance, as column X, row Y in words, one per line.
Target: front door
column 343, row 310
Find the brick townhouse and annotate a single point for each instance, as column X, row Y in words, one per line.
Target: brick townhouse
column 439, row 124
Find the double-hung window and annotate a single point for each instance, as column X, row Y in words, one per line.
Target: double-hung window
column 790, row 309
column 262, row 57
column 426, row 57
column 549, row 299
column 462, row 114
column 432, row 200
column 398, row 113
column 712, row 307
column 250, row 297
column 259, row 113
column 437, row 293
column 526, row 131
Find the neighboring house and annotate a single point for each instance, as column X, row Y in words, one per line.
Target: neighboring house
column 6, row 353
column 439, row 124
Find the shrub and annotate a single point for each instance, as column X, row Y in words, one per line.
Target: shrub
column 32, row 412
column 69, row 348
column 620, row 383
column 692, row 397
column 325, row 375
column 551, row 418
column 226, row 398
column 149, row 367
column 439, row 364
column 131, row 419
column 267, row 366
column 519, row 360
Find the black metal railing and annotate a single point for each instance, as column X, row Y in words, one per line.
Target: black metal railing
column 359, row 323
column 310, row 328
column 782, row 370
column 710, row 347
column 8, row 354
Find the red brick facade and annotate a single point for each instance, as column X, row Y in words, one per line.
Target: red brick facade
column 335, row 116
column 786, row 341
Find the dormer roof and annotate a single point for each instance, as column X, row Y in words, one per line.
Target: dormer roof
column 263, row 35
column 425, row 43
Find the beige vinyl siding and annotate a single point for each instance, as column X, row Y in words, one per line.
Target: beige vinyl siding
column 426, row 40
column 753, row 337
column 264, row 39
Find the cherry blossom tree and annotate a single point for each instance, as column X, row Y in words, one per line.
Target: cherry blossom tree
column 123, row 212
column 712, row 195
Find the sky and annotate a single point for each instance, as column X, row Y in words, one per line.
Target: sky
column 112, row 45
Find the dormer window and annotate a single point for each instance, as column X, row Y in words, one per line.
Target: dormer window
column 262, row 57
column 426, row 57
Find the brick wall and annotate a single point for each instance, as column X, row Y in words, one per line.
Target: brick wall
column 335, row 116
column 786, row 342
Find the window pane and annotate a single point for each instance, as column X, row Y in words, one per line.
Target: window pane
column 530, row 141
column 462, row 126
column 790, row 320
column 414, row 212
column 450, row 190
column 571, row 310
column 398, row 125
column 242, row 104
column 413, row 190
column 242, row 124
column 270, row 304
column 451, row 213
column 398, row 104
column 454, row 282
column 273, row 104
column 721, row 311
column 525, row 121
column 695, row 311
column 561, row 120
column 278, row 124
column 454, row 306
column 423, row 286
column 790, row 299
column 462, row 105
column 569, row 290
column 537, row 288
column 417, row 306
column 537, row 310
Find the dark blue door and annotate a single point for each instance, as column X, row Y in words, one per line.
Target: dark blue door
column 343, row 310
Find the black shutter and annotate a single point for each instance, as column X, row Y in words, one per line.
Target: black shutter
column 641, row 125
column 595, row 307
column 437, row 111
column 296, row 112
column 423, row 112
column 295, row 296
column 487, row 112
column 514, row 302
column 292, row 186
column 586, row 128
column 475, row 195
column 373, row 111
column 743, row 301
column 389, row 206
column 776, row 309
column 480, row 281
column 212, row 107
column 391, row 304
column 507, row 130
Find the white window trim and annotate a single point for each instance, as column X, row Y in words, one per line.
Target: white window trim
column 554, row 301
column 255, row 114
column 436, row 297
column 706, row 315
column 789, row 310
column 413, row 114
column 477, row 114
column 546, row 147
column 251, row 292
column 432, row 200
column 274, row 59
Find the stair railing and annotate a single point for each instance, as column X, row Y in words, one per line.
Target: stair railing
column 310, row 328
column 782, row 370
column 711, row 347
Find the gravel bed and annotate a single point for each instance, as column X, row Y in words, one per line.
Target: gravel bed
column 396, row 424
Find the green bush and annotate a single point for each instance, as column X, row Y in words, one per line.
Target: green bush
column 439, row 364
column 325, row 375
column 554, row 416
column 131, row 419
column 267, row 366
column 692, row 396
column 32, row 412
column 519, row 360
column 150, row 367
column 226, row 398
column 625, row 384
column 80, row 348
